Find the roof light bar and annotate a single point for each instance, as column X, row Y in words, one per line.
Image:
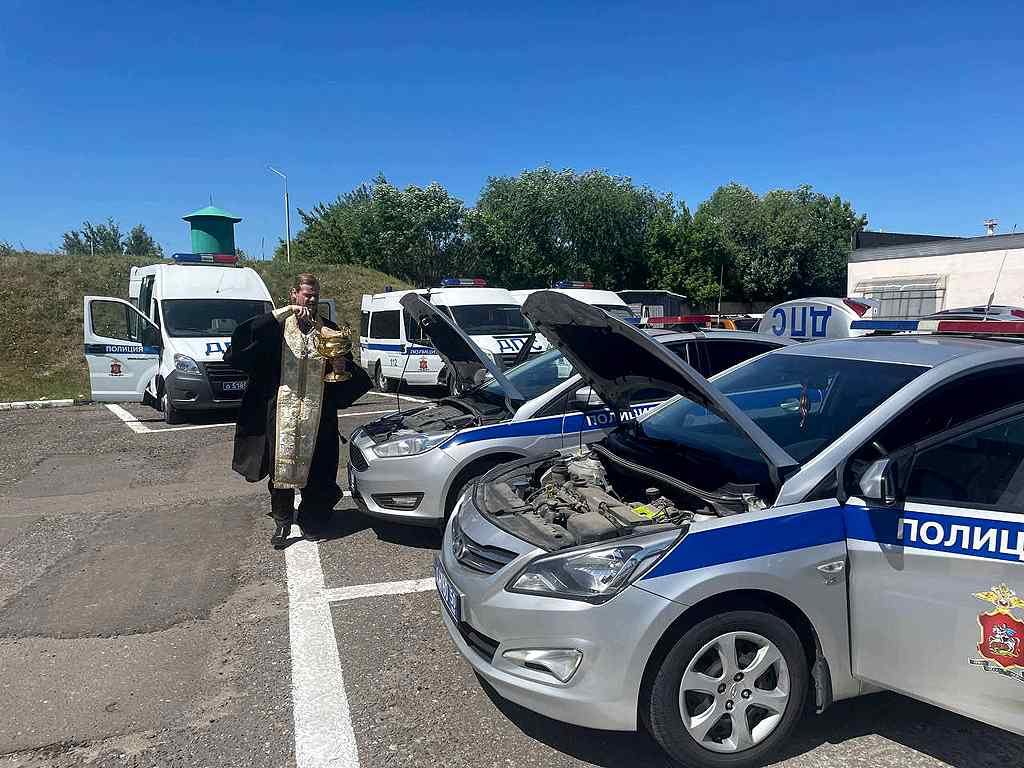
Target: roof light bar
column 205, row 258
column 986, row 327
column 463, row 282
column 678, row 319
column 859, row 307
column 573, row 284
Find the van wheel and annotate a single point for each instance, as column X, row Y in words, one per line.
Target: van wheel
column 171, row 414
column 730, row 692
column 382, row 382
column 452, row 384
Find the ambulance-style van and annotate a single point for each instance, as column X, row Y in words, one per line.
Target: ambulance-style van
column 817, row 318
column 165, row 346
column 393, row 348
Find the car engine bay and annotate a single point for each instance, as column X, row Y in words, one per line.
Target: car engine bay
column 591, row 496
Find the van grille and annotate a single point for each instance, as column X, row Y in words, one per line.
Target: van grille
column 220, row 374
column 509, row 359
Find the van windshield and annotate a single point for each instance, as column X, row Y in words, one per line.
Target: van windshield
column 209, row 317
column 617, row 311
column 490, row 319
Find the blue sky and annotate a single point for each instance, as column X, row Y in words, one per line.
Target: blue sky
column 913, row 112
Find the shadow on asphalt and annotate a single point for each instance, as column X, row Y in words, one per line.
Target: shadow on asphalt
column 346, row 522
column 957, row 741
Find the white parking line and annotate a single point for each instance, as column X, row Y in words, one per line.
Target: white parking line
column 127, row 418
column 373, row 590
column 323, row 723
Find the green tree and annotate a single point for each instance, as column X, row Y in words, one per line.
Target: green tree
column 100, row 238
column 544, row 225
column 140, row 243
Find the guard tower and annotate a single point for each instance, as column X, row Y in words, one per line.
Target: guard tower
column 213, row 230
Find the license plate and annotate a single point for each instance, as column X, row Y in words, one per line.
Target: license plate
column 450, row 597
column 234, row 386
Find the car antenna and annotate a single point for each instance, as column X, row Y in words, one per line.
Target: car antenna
column 999, row 274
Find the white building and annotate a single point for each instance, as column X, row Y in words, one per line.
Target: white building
column 918, row 278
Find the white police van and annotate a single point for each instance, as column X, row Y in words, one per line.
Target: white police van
column 817, row 318
column 165, row 347
column 583, row 290
column 393, row 348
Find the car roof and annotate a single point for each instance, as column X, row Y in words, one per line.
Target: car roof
column 927, row 350
column 664, row 335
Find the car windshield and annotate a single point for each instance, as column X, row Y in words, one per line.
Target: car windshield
column 533, row 378
column 803, row 402
column 209, row 317
column 489, row 319
column 616, row 310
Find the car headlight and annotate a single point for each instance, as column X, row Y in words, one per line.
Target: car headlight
column 595, row 574
column 410, row 446
column 186, row 365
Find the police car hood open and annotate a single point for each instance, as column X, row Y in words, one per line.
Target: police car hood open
column 617, row 360
column 458, row 351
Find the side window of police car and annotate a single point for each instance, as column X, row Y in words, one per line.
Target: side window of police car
column 386, row 325
column 364, row 324
column 725, row 353
column 983, row 467
column 950, row 405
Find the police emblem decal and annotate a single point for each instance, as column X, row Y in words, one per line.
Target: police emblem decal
column 423, row 363
column 1002, row 634
column 115, row 368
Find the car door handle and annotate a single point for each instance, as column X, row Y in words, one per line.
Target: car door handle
column 792, row 406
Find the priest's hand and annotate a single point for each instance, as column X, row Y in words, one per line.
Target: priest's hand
column 301, row 312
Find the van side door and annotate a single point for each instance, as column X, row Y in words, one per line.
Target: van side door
column 122, row 349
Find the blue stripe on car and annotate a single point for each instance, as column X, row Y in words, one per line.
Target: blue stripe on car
column 977, row 537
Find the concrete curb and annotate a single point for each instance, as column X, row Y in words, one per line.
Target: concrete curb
column 36, row 404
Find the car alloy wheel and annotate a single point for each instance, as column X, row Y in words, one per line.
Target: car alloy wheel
column 730, row 690
column 734, row 692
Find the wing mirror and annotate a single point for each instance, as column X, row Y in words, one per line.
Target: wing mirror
column 878, row 483
column 583, row 400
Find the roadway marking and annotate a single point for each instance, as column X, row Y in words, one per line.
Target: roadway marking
column 323, row 723
column 127, row 418
column 373, row 590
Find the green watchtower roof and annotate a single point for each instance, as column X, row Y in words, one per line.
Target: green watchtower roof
column 210, row 212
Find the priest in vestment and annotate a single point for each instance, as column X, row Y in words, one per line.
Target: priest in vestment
column 288, row 423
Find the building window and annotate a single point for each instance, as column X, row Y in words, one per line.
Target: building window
column 904, row 298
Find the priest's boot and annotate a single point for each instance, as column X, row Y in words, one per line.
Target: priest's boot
column 280, row 538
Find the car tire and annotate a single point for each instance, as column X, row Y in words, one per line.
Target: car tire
column 452, row 384
column 171, row 414
column 381, row 382
column 698, row 694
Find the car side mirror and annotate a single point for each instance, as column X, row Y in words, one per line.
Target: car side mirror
column 878, row 483
column 583, row 400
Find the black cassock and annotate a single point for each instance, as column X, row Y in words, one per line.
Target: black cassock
column 263, row 347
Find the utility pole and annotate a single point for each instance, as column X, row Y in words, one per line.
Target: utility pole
column 287, row 215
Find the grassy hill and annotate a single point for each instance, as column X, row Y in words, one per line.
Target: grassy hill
column 41, row 312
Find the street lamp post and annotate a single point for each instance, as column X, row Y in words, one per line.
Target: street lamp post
column 287, row 215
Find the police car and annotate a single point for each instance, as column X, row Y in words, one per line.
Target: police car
column 821, row 521
column 394, row 349
column 165, row 347
column 412, row 466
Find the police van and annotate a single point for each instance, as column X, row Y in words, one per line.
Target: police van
column 393, row 348
column 583, row 290
column 165, row 346
column 817, row 318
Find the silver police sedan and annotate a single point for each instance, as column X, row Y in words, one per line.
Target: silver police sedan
column 825, row 520
column 413, row 466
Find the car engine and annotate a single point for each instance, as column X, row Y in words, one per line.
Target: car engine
column 568, row 501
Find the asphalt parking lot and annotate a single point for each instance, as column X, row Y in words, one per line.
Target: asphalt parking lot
column 145, row 621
